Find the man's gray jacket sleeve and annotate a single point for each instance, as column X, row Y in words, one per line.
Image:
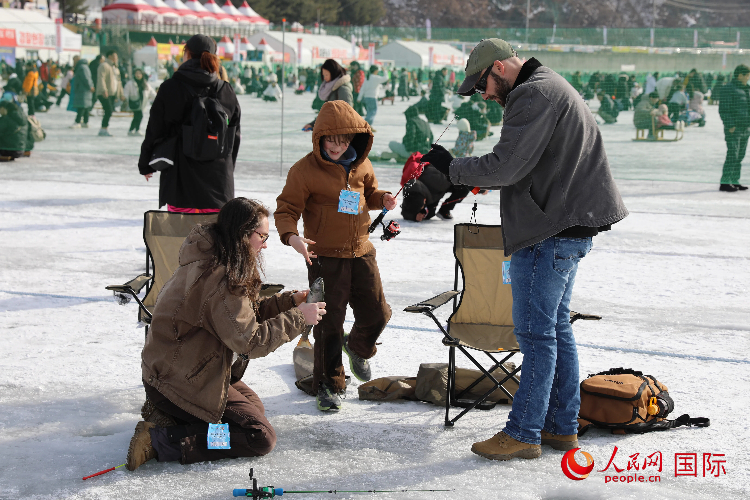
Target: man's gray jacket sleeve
column 527, row 129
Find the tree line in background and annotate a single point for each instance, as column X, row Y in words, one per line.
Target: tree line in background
column 494, row 13
column 510, row 13
column 308, row 12
column 567, row 13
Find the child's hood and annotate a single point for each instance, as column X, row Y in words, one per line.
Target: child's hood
column 337, row 117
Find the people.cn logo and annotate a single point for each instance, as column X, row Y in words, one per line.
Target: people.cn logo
column 571, row 468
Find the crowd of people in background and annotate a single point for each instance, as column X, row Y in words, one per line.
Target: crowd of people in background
column 659, row 101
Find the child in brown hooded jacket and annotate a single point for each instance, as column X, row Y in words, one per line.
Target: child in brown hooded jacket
column 333, row 188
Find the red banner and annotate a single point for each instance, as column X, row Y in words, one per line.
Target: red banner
column 7, row 38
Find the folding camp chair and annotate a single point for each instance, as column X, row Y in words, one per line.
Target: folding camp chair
column 482, row 320
column 163, row 234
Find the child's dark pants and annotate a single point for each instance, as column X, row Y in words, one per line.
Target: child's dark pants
column 354, row 282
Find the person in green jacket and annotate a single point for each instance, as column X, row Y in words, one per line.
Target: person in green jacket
column 14, row 129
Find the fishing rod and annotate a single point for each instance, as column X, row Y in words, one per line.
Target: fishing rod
column 272, row 492
column 393, row 228
column 103, row 472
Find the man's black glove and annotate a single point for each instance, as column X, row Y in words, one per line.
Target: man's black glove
column 440, row 158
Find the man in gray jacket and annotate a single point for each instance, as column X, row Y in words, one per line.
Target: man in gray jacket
column 557, row 192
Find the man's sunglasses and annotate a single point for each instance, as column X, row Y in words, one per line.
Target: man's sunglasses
column 481, row 85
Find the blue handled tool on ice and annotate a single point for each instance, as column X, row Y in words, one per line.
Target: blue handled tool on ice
column 393, row 229
column 272, row 491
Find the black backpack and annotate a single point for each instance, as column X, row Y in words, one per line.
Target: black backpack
column 206, row 134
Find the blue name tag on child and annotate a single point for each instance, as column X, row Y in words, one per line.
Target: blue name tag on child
column 349, row 202
column 506, row 272
column 218, row 437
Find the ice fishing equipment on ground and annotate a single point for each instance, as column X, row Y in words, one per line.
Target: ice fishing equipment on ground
column 103, row 472
column 271, row 491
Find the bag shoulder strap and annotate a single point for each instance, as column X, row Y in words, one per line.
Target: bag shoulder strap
column 690, row 422
column 683, row 420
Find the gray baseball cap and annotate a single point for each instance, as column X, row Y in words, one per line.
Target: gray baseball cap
column 482, row 57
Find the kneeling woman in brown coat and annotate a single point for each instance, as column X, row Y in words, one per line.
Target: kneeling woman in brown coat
column 208, row 321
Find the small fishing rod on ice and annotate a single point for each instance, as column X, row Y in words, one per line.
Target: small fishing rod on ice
column 393, row 228
column 272, row 492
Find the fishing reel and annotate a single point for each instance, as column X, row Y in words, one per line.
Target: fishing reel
column 390, row 231
column 256, row 493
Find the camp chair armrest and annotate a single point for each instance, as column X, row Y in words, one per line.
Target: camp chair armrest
column 124, row 292
column 139, row 282
column 136, row 284
column 433, row 303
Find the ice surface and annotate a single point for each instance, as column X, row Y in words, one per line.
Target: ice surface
column 671, row 282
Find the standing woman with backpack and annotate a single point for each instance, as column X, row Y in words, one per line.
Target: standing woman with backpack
column 201, row 179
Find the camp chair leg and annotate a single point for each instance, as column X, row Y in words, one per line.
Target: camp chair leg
column 449, row 386
column 452, row 344
column 497, row 364
column 498, row 385
column 126, row 289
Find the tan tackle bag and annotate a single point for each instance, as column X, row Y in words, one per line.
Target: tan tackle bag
column 627, row 401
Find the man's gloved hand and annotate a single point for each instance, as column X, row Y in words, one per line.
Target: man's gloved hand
column 440, row 158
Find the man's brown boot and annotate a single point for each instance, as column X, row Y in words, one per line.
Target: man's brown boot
column 503, row 447
column 559, row 441
column 140, row 450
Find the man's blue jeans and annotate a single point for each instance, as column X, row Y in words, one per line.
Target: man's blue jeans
column 548, row 397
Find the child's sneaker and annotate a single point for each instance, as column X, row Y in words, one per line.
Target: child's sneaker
column 327, row 399
column 359, row 366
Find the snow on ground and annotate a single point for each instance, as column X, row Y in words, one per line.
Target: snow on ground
column 671, row 282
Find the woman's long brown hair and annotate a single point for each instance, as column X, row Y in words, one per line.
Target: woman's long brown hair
column 231, row 233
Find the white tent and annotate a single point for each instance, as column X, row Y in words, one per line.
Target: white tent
column 225, row 46
column 186, row 14
column 245, row 45
column 168, row 14
column 147, row 55
column 254, row 16
column 130, row 12
column 417, row 54
column 224, row 18
column 315, row 48
column 26, row 30
column 206, row 17
column 232, row 11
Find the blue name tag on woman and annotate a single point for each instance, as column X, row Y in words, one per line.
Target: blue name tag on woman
column 218, row 437
column 349, row 202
